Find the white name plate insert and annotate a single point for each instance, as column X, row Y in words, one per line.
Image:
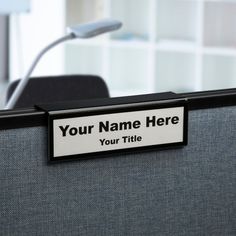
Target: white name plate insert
column 91, row 132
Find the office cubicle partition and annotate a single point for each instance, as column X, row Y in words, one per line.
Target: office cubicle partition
column 173, row 191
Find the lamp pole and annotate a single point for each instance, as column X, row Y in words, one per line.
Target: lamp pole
column 87, row 30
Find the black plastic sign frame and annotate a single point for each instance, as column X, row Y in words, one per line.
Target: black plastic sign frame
column 110, row 110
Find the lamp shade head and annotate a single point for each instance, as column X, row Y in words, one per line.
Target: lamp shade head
column 92, row 29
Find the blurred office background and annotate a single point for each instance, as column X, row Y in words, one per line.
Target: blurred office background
column 164, row 45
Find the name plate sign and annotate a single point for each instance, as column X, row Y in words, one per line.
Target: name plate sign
column 90, row 132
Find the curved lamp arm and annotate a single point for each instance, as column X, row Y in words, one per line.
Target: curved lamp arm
column 23, row 82
column 87, row 30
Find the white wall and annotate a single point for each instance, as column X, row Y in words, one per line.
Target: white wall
column 30, row 32
column 3, row 48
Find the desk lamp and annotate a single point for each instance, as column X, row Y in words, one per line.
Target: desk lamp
column 87, row 30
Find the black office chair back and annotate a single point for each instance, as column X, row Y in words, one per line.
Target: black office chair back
column 59, row 88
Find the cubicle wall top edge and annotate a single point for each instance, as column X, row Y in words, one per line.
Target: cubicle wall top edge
column 21, row 118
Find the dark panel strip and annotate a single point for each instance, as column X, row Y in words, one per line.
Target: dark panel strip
column 197, row 100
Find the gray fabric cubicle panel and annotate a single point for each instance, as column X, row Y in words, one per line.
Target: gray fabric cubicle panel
column 186, row 191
